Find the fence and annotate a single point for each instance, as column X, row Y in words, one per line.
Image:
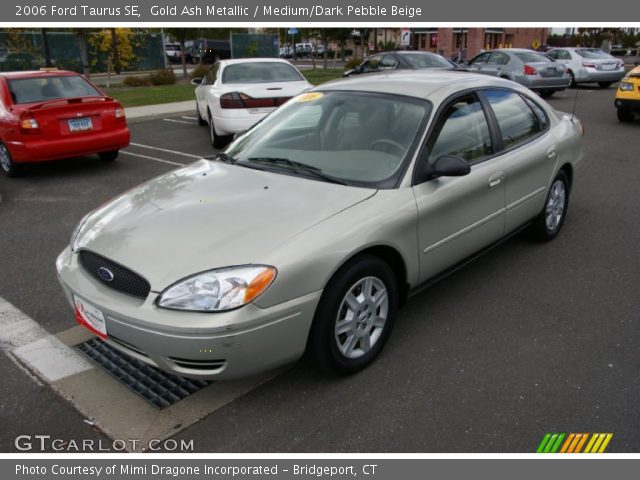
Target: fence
column 246, row 45
column 24, row 51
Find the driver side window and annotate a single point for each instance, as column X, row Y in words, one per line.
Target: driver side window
column 462, row 130
column 481, row 59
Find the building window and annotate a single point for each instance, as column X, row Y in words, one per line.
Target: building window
column 433, row 43
column 423, row 42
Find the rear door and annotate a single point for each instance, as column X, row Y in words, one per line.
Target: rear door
column 529, row 153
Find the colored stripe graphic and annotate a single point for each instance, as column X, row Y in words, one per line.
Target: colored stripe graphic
column 573, row 442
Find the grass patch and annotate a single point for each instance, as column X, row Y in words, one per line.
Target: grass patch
column 320, row 75
column 139, row 96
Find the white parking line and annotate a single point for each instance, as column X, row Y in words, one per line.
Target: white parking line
column 190, row 118
column 175, row 152
column 178, row 121
column 33, row 346
column 155, row 159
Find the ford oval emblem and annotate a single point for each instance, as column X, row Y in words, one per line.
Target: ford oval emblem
column 106, row 274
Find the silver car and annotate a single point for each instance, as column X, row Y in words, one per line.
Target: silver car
column 527, row 67
column 309, row 232
column 589, row 65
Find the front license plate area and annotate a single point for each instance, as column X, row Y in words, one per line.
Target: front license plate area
column 80, row 124
column 90, row 317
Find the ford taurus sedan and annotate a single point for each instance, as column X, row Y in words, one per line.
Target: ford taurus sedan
column 236, row 94
column 50, row 115
column 312, row 228
column 532, row 69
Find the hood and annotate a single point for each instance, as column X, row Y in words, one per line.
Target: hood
column 209, row 215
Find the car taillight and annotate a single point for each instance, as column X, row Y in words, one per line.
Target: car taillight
column 28, row 124
column 242, row 100
column 589, row 65
column 120, row 116
column 529, row 70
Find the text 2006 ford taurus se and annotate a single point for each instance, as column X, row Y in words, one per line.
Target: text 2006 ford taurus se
column 308, row 232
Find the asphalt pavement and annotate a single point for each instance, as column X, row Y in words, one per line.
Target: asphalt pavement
column 529, row 339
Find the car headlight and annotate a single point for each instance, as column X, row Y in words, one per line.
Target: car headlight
column 218, row 290
column 76, row 232
column 626, row 87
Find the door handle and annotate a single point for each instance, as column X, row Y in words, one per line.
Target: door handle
column 551, row 153
column 495, row 179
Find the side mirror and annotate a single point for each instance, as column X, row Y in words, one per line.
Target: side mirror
column 450, row 166
column 196, row 81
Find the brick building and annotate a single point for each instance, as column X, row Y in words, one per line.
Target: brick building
column 449, row 41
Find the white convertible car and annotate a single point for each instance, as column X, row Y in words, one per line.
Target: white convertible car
column 235, row 94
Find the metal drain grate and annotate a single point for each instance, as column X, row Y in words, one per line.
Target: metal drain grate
column 158, row 388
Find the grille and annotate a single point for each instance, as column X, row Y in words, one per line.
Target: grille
column 124, row 280
column 158, row 388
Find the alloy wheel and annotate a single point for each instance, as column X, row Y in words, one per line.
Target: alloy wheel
column 555, row 205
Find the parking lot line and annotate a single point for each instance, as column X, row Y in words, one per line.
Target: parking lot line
column 156, row 159
column 175, row 152
column 190, row 118
column 178, row 121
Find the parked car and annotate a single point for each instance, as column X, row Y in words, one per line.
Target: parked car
column 311, row 229
column 173, row 51
column 55, row 114
column 589, row 65
column 402, row 60
column 206, row 50
column 534, row 70
column 628, row 96
column 304, row 50
column 235, row 94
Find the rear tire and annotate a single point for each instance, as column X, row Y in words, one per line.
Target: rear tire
column 201, row 121
column 354, row 317
column 604, row 84
column 109, row 156
column 8, row 167
column 547, row 93
column 624, row 114
column 218, row 141
column 549, row 222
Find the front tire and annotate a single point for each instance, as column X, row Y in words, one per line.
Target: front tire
column 572, row 83
column 355, row 316
column 549, row 222
column 7, row 165
column 624, row 114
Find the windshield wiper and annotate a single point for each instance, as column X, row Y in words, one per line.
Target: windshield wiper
column 299, row 168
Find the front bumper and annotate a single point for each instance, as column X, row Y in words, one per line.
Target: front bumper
column 207, row 346
column 37, row 149
column 632, row 105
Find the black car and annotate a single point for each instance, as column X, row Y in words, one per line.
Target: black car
column 402, row 60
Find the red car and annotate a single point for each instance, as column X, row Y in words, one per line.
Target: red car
column 54, row 114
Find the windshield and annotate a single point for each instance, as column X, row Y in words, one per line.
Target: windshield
column 425, row 60
column 259, row 72
column 532, row 57
column 41, row 89
column 593, row 53
column 358, row 138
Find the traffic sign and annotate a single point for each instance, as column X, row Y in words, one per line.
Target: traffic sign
column 405, row 38
column 292, row 31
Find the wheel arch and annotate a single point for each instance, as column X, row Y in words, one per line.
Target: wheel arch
column 568, row 169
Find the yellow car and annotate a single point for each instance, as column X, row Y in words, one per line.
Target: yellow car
column 628, row 95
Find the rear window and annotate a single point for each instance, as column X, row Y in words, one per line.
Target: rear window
column 418, row 60
column 42, row 89
column 593, row 53
column 172, row 47
column 532, row 57
column 259, row 72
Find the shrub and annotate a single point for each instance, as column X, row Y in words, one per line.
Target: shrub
column 136, row 81
column 352, row 63
column 199, row 72
column 162, row 77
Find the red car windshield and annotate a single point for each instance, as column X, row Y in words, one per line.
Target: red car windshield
column 42, row 89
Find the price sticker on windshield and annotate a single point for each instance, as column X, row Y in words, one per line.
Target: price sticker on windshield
column 308, row 97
